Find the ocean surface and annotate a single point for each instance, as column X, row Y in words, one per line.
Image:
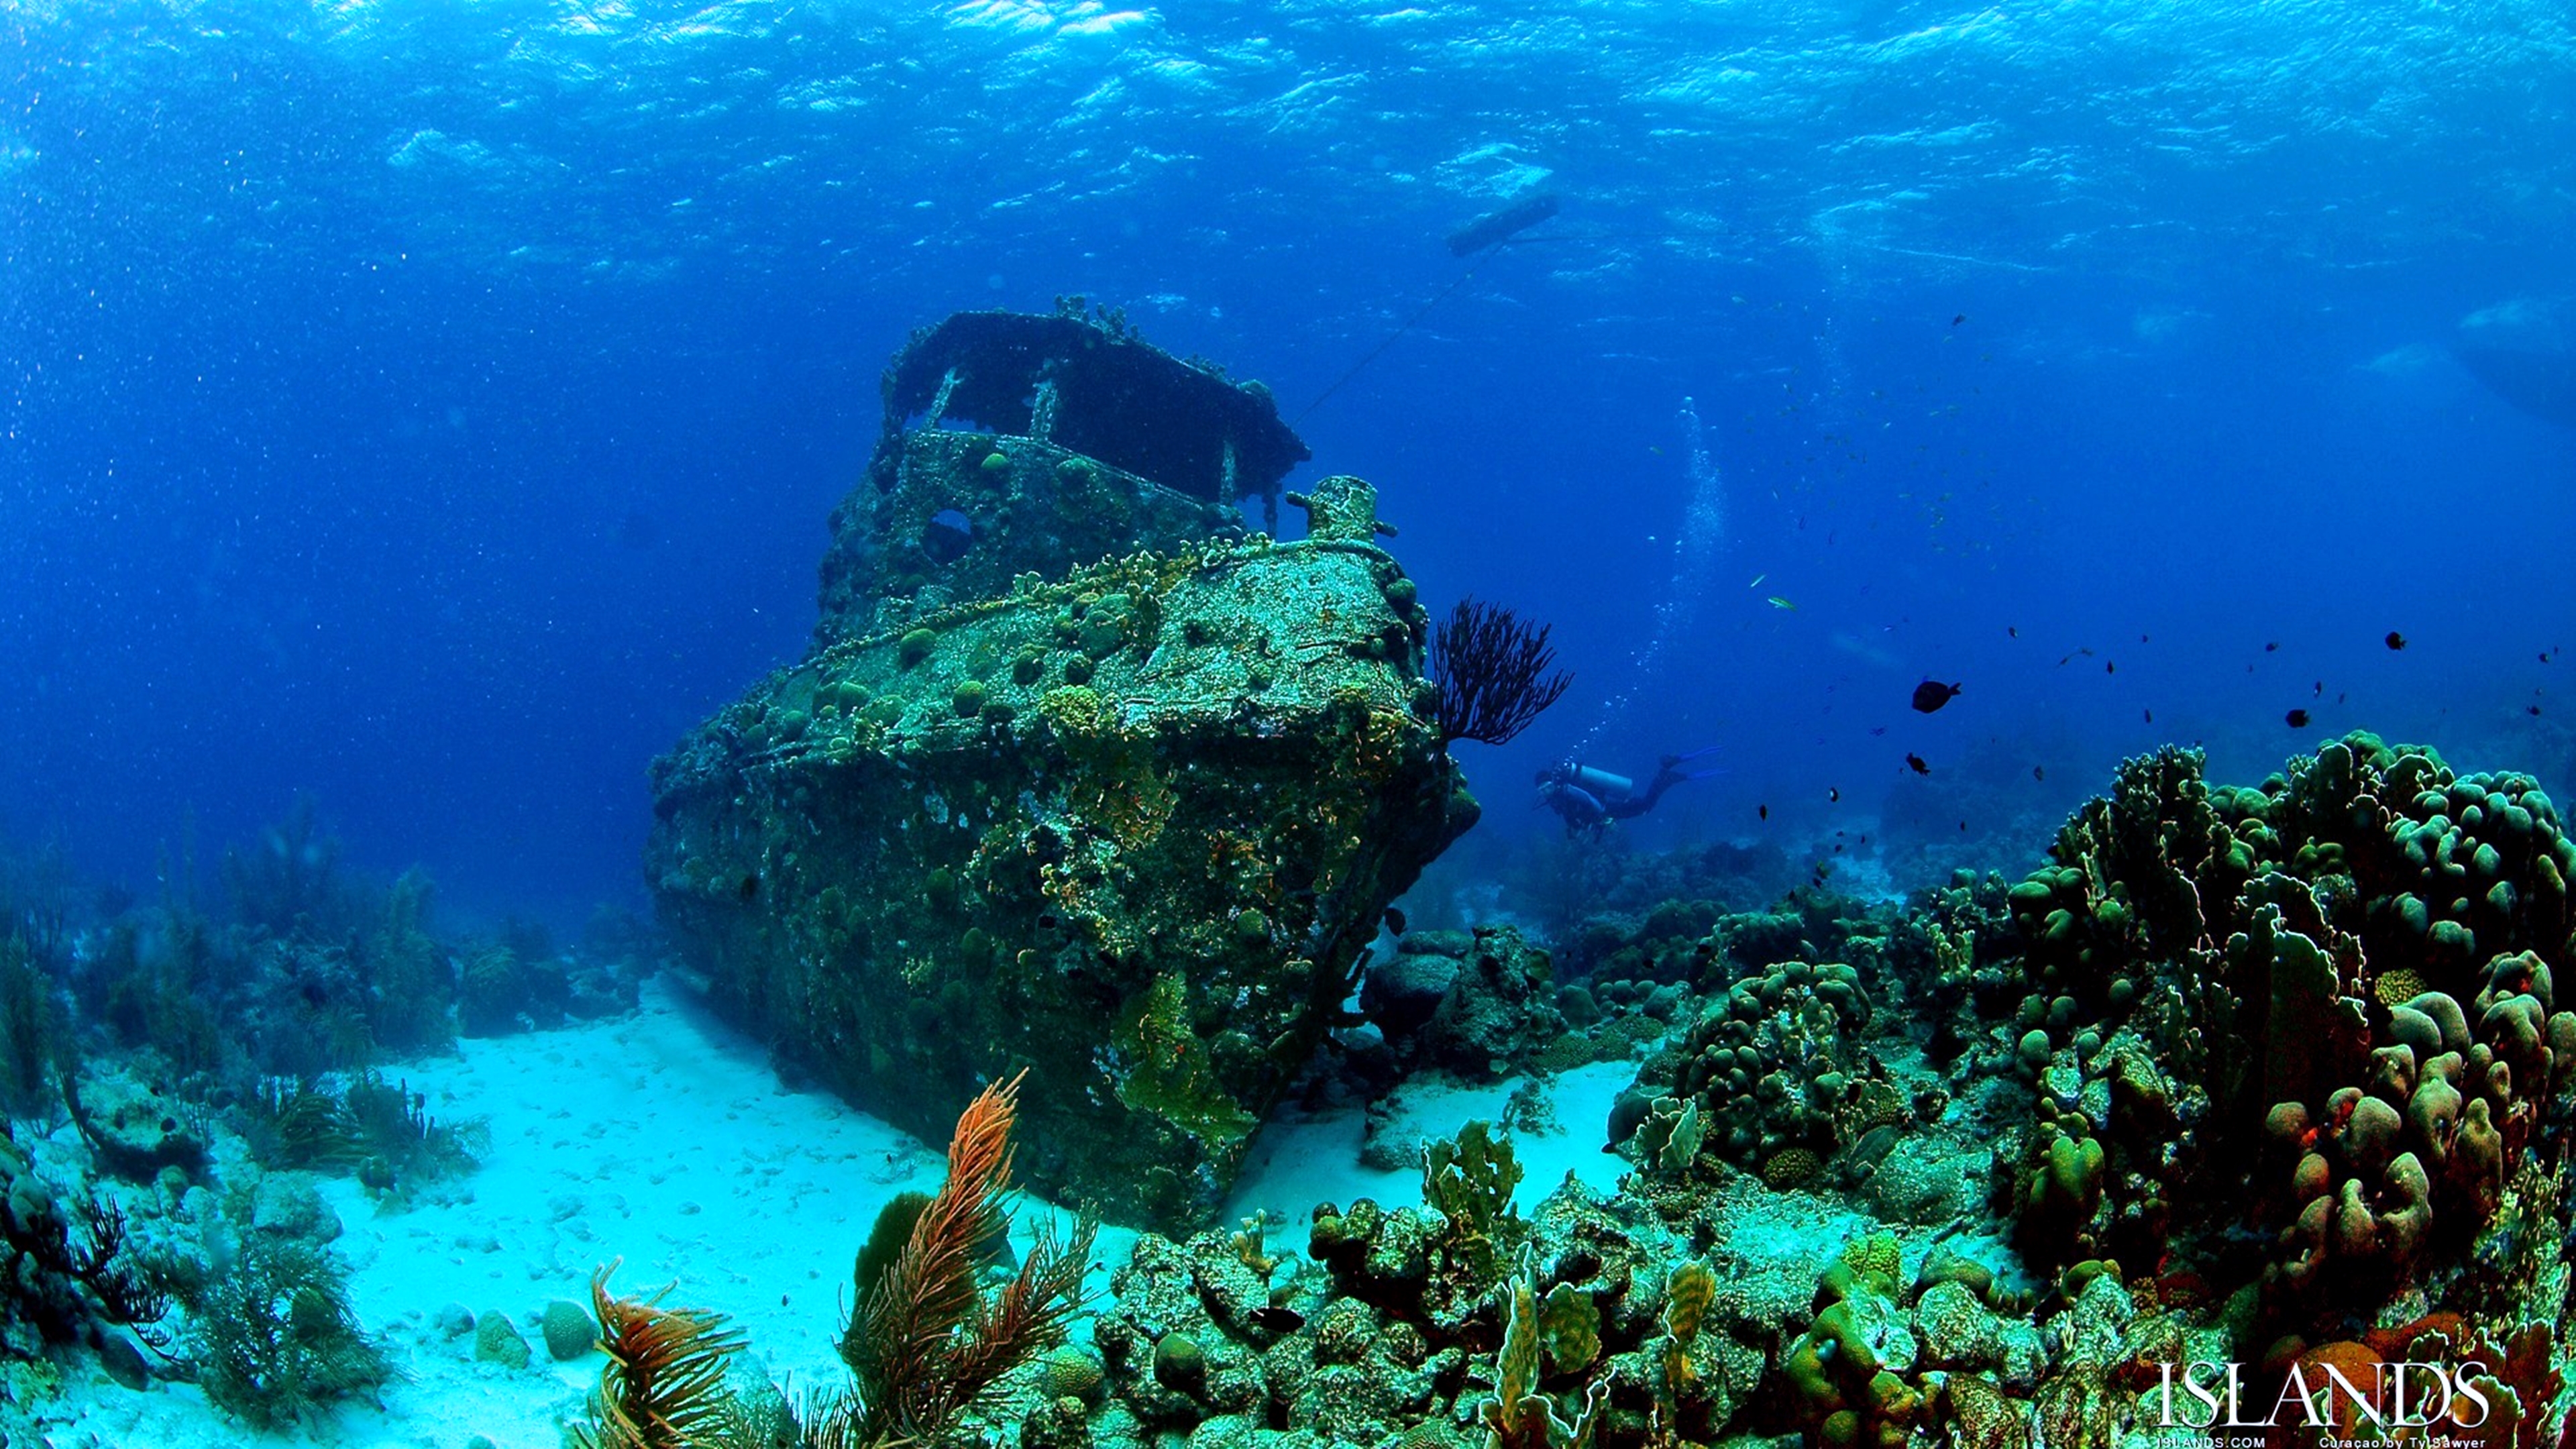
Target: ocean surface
column 433, row 408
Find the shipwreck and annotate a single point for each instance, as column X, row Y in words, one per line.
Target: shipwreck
column 1084, row 774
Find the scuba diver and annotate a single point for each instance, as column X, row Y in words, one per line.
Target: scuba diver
column 1588, row 797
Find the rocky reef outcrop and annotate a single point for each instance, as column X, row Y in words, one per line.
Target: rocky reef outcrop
column 2262, row 1088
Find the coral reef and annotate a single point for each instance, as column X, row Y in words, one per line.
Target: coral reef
column 2270, row 1077
column 1774, row 1076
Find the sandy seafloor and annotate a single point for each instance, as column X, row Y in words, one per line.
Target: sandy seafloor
column 664, row 1139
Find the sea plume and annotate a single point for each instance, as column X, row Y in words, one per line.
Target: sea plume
column 925, row 1340
column 664, row 1384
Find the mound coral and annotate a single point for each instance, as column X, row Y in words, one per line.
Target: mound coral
column 2377, row 931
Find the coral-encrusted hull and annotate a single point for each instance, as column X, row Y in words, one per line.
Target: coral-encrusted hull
column 1131, row 830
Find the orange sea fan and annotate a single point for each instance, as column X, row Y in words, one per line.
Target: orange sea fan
column 664, row 1383
column 926, row 1341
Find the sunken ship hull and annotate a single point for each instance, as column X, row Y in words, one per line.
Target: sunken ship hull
column 1080, row 777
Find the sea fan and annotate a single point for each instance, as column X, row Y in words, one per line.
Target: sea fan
column 926, row 1342
column 664, row 1384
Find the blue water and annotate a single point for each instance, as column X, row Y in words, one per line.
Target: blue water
column 434, row 407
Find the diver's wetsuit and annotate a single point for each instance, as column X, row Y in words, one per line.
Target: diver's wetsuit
column 1590, row 798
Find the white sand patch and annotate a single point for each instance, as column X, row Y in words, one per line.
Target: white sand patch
column 1303, row 1159
column 658, row 1137
column 665, row 1139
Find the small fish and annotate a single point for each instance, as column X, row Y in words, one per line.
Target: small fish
column 2012, row 631
column 1930, row 695
column 2297, row 719
column 1757, row 581
column 1878, row 729
column 2142, row 638
column 1915, row 763
column 2340, row 698
column 2532, row 708
column 2320, row 690
column 1395, row 920
column 2110, row 666
column 2275, row 644
column 1764, row 811
column 2395, row 640
column 2038, row 772
column 1963, row 827
column 1962, row 317
column 1780, row 603
column 2544, row 658
column 2150, row 714
column 1833, row 795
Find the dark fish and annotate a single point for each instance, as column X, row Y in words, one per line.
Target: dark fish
column 2297, row 719
column 1915, row 763
column 1833, row 795
column 2012, row 630
column 1763, row 811
column 2038, row 772
column 2268, row 648
column 2142, row 638
column 1962, row 317
column 1395, row 920
column 1495, row 228
column 1277, row 1319
column 2150, row 714
column 2396, row 640
column 2533, row 708
column 2110, row 667
column 1878, row 729
column 1930, row 695
column 2320, row 690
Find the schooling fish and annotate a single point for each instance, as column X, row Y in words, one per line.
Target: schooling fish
column 2396, row 640
column 2297, row 719
column 1930, row 695
column 1915, row 763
